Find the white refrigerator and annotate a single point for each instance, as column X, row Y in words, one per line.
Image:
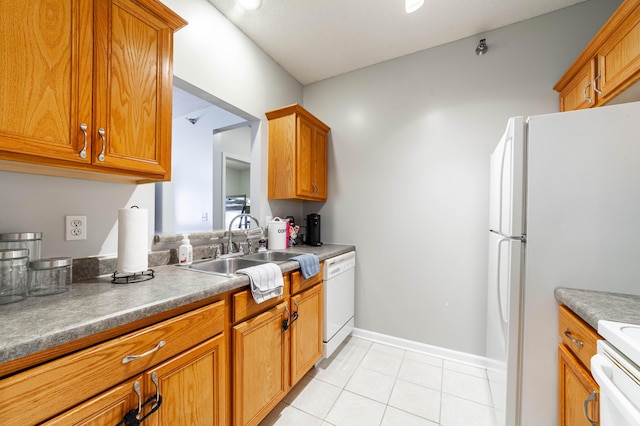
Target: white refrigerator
column 564, row 212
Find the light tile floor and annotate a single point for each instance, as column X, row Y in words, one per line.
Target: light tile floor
column 366, row 383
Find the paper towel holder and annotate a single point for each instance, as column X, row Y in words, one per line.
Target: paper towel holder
column 128, row 278
column 132, row 277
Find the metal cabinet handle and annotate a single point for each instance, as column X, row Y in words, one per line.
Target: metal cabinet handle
column 135, row 416
column 294, row 316
column 130, row 358
column 83, row 153
column 286, row 322
column 584, row 92
column 567, row 334
column 154, row 379
column 136, row 389
column 595, row 84
column 102, row 135
column 585, row 407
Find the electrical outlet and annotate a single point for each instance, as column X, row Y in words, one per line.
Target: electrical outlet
column 75, row 228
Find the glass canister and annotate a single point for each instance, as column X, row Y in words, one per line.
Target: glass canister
column 13, row 275
column 49, row 276
column 32, row 241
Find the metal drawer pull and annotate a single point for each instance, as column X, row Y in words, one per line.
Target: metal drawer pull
column 83, row 153
column 104, row 143
column 585, row 407
column 567, row 333
column 130, row 358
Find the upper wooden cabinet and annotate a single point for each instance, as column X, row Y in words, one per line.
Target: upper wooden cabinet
column 87, row 88
column 297, row 155
column 609, row 67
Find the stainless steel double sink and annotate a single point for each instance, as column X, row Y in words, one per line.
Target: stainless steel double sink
column 229, row 265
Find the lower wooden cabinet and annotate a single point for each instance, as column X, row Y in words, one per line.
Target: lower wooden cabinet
column 274, row 349
column 306, row 332
column 578, row 392
column 230, row 362
column 190, row 384
column 107, row 409
column 185, row 354
column 260, row 365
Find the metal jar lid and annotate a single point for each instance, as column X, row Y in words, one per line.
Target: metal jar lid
column 51, row 263
column 21, row 236
column 13, row 253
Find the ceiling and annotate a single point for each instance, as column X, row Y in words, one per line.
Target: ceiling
column 185, row 103
column 317, row 39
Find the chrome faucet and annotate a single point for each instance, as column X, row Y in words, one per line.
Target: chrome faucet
column 241, row 215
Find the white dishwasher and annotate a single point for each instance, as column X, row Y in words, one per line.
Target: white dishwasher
column 338, row 300
column 616, row 369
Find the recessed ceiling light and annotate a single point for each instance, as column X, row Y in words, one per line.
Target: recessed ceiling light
column 412, row 5
column 250, row 4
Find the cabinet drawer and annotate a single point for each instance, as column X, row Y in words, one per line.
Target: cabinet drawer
column 299, row 283
column 41, row 392
column 245, row 306
column 577, row 335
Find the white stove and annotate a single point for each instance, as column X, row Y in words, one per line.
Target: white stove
column 616, row 369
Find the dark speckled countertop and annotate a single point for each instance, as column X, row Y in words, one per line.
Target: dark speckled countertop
column 39, row 323
column 593, row 306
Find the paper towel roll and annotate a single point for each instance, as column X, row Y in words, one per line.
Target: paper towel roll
column 133, row 256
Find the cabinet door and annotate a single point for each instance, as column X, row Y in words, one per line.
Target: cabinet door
column 106, row 409
column 320, row 165
column 132, row 88
column 46, row 73
column 192, row 387
column 305, row 152
column 260, row 366
column 619, row 57
column 306, row 332
column 576, row 388
column 579, row 92
column 312, row 161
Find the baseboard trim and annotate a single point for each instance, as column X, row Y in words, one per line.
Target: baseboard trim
column 448, row 354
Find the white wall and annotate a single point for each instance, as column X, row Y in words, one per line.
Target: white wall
column 215, row 56
column 39, row 203
column 211, row 54
column 408, row 168
column 194, row 191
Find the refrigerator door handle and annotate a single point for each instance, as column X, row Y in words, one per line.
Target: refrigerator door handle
column 502, row 304
column 506, row 147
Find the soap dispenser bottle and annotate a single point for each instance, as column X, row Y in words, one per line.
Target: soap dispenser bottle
column 185, row 251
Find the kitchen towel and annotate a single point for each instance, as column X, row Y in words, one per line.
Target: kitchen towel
column 133, row 256
column 266, row 281
column 309, row 264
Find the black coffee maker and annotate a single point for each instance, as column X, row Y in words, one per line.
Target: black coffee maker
column 313, row 230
